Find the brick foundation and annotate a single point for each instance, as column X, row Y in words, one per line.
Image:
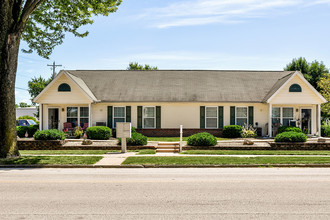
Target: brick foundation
column 299, row 146
column 59, row 145
column 175, row 132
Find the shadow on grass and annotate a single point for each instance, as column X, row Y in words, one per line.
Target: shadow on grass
column 21, row 160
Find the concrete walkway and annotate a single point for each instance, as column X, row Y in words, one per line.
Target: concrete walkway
column 114, row 158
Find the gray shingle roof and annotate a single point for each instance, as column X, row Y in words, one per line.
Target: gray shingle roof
column 181, row 85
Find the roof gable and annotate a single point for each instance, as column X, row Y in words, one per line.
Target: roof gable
column 50, row 94
column 308, row 93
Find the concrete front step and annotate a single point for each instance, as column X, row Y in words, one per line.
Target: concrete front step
column 167, row 150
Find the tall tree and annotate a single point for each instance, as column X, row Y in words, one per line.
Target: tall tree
column 42, row 24
column 137, row 66
column 36, row 85
column 313, row 72
column 324, row 85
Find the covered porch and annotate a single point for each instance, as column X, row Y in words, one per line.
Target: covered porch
column 306, row 117
column 59, row 116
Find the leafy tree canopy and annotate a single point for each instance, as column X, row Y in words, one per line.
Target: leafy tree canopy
column 313, row 71
column 23, row 105
column 324, row 85
column 50, row 20
column 137, row 66
column 36, row 85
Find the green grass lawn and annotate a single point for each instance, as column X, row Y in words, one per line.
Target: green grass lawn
column 225, row 160
column 149, row 151
column 52, row 160
column 175, row 139
column 256, row 152
column 54, row 152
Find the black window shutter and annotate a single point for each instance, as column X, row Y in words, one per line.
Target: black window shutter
column 139, row 117
column 158, row 117
column 232, row 115
column 220, row 116
column 202, row 117
column 251, row 114
column 128, row 113
column 110, row 116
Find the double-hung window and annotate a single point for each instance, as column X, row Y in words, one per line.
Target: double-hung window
column 211, row 117
column 84, row 115
column 241, row 115
column 282, row 116
column 72, row 115
column 118, row 115
column 276, row 115
column 149, row 117
column 287, row 116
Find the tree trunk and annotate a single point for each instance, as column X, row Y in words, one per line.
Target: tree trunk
column 9, row 47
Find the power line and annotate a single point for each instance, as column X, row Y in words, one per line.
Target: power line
column 21, row 88
column 53, row 67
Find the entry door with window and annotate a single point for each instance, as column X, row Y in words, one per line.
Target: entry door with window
column 306, row 120
column 53, row 118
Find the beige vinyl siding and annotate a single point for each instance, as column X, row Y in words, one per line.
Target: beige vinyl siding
column 52, row 96
column 175, row 114
column 307, row 96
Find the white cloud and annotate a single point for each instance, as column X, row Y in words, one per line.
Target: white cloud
column 201, row 12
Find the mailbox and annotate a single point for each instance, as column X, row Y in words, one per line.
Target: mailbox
column 123, row 130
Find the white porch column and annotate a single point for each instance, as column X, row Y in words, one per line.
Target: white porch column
column 270, row 120
column 90, row 124
column 40, row 116
column 319, row 119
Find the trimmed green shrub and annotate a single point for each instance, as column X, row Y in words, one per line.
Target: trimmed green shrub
column 291, row 136
column 52, row 134
column 133, row 129
column 202, row 139
column 325, row 130
column 28, row 117
column 136, row 139
column 31, row 130
column 98, row 133
column 232, row 131
column 288, row 128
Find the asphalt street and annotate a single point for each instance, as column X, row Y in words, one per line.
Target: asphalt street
column 174, row 193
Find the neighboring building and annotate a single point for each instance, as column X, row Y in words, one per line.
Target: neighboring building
column 158, row 102
column 30, row 111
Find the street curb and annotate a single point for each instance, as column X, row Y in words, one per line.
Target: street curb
column 169, row 166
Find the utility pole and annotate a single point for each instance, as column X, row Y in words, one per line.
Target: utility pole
column 53, row 67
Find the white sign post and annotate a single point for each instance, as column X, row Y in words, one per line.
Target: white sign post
column 181, row 132
column 123, row 130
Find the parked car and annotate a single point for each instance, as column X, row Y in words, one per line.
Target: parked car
column 25, row 122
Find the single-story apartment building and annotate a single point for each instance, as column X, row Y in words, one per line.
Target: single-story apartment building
column 157, row 102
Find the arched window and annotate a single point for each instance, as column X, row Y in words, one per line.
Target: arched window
column 64, row 88
column 295, row 88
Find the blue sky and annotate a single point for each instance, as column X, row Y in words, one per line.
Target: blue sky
column 193, row 34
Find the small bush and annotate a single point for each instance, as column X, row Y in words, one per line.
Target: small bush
column 136, row 139
column 232, row 131
column 325, row 130
column 78, row 132
column 52, row 134
column 202, row 139
column 291, row 136
column 133, row 129
column 98, row 132
column 31, row 130
column 248, row 131
column 28, row 117
column 288, row 128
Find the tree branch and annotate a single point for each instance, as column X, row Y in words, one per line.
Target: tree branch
column 29, row 7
